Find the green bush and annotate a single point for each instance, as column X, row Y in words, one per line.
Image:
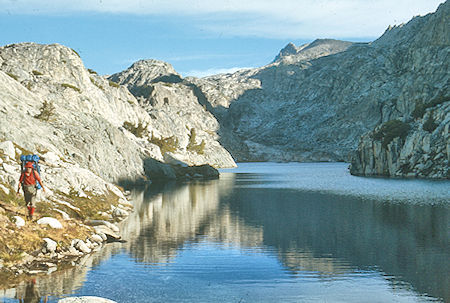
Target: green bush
column 37, row 73
column 169, row 144
column 391, row 130
column 429, row 125
column 138, row 131
column 47, row 111
column 66, row 85
column 113, row 84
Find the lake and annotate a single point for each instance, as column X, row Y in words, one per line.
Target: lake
column 271, row 232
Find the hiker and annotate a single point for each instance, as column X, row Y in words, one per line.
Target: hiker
column 27, row 181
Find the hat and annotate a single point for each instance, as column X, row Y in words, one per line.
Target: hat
column 29, row 164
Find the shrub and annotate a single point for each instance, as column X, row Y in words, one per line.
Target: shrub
column 113, row 84
column 37, row 73
column 13, row 76
column 391, row 130
column 192, row 146
column 419, row 110
column 66, row 85
column 138, row 131
column 47, row 111
column 91, row 71
column 429, row 125
column 169, row 144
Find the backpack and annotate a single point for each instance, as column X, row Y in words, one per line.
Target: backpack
column 33, row 159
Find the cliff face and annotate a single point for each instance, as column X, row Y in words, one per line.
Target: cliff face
column 315, row 101
column 423, row 149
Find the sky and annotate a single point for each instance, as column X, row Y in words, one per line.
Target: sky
column 198, row 37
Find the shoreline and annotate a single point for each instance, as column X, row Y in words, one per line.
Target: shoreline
column 53, row 258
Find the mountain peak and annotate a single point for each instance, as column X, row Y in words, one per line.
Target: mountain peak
column 309, row 51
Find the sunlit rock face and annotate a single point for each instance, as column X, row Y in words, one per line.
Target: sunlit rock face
column 315, row 101
column 176, row 111
column 94, row 131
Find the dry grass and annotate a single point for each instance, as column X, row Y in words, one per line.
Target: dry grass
column 15, row 241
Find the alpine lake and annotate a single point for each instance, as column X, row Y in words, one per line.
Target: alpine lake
column 270, row 232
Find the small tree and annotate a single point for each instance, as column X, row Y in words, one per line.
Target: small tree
column 47, row 111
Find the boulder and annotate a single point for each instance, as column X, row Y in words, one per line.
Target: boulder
column 111, row 236
column 81, row 246
column 52, row 222
column 95, row 238
column 119, row 213
column 7, row 148
column 111, row 226
column 49, row 246
column 19, row 221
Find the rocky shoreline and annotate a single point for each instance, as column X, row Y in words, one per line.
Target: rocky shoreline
column 52, row 256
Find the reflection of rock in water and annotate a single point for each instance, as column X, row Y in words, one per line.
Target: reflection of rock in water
column 61, row 282
column 171, row 218
column 331, row 235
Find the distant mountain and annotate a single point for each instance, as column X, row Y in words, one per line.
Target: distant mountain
column 318, row 48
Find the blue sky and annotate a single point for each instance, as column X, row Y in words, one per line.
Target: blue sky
column 198, row 37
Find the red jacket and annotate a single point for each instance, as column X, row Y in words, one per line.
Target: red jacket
column 30, row 179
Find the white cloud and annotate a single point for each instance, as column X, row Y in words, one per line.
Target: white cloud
column 267, row 18
column 211, row 71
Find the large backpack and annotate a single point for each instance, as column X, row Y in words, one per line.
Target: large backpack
column 34, row 159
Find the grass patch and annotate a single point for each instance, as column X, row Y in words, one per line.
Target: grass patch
column 139, row 131
column 113, row 84
column 76, row 53
column 169, row 144
column 91, row 71
column 90, row 207
column 66, row 85
column 47, row 111
column 192, row 146
column 96, row 84
column 15, row 77
column 391, row 130
column 11, row 198
column 37, row 73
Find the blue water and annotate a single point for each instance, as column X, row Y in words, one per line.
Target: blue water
column 268, row 232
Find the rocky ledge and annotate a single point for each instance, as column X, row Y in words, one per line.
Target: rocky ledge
column 418, row 148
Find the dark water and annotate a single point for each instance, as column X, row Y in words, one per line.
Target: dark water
column 273, row 233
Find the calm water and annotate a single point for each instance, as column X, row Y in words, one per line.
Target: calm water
column 270, row 232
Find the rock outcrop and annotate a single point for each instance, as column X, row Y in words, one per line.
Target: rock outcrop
column 89, row 129
column 424, row 150
column 177, row 113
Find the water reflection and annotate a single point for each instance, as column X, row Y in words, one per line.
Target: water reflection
column 316, row 236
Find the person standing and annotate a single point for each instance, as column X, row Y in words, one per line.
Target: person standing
column 27, row 181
